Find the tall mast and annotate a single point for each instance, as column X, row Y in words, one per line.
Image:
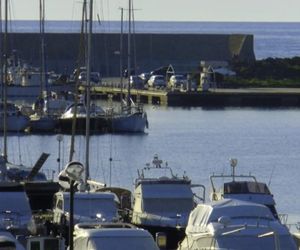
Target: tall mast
column 5, row 85
column 121, row 55
column 42, row 31
column 81, row 57
column 129, row 54
column 88, row 93
column 1, row 53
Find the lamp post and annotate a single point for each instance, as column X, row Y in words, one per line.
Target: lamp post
column 74, row 171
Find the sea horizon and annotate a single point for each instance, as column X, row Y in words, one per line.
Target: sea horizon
column 113, row 26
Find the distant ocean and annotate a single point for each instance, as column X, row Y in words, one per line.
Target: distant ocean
column 270, row 39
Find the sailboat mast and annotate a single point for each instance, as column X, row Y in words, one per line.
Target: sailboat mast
column 1, row 52
column 88, row 93
column 121, row 55
column 5, row 84
column 129, row 54
column 42, row 32
column 80, row 59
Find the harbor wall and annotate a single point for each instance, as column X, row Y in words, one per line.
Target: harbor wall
column 183, row 51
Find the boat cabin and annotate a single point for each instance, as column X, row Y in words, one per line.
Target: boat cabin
column 242, row 187
column 87, row 207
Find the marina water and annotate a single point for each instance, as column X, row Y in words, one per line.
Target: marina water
column 197, row 141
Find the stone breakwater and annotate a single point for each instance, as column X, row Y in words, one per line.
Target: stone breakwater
column 183, row 51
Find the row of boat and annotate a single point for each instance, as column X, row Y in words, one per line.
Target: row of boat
column 241, row 213
column 128, row 119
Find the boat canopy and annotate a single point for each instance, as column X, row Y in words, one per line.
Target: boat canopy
column 204, row 214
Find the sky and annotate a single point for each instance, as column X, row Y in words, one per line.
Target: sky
column 165, row 10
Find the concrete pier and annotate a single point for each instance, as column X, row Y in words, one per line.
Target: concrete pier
column 250, row 97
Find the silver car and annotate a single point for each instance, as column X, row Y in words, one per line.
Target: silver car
column 157, row 81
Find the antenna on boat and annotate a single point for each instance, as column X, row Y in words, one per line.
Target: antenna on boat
column 233, row 163
column 271, row 176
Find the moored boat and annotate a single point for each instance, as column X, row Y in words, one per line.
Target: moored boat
column 242, row 187
column 163, row 204
column 235, row 224
column 98, row 120
column 128, row 121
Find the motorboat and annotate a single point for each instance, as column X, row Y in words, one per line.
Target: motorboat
column 237, row 225
column 15, row 211
column 15, row 120
column 162, row 203
column 39, row 185
column 24, row 79
column 98, row 119
column 242, row 187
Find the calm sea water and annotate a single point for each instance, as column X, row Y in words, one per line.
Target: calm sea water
column 200, row 142
column 197, row 141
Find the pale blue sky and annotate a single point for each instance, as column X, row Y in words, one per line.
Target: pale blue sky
column 167, row 10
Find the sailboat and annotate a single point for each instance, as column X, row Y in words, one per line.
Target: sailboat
column 15, row 209
column 11, row 118
column 42, row 120
column 90, row 206
column 132, row 117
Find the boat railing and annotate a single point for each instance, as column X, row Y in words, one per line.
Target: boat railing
column 200, row 198
column 283, row 218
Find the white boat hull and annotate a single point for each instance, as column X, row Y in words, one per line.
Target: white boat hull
column 131, row 123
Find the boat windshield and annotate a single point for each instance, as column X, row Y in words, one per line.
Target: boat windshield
column 122, row 243
column 253, row 242
column 165, row 206
column 92, row 207
column 245, row 187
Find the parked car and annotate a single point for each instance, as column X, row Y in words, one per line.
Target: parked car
column 95, row 77
column 178, row 81
column 157, row 81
